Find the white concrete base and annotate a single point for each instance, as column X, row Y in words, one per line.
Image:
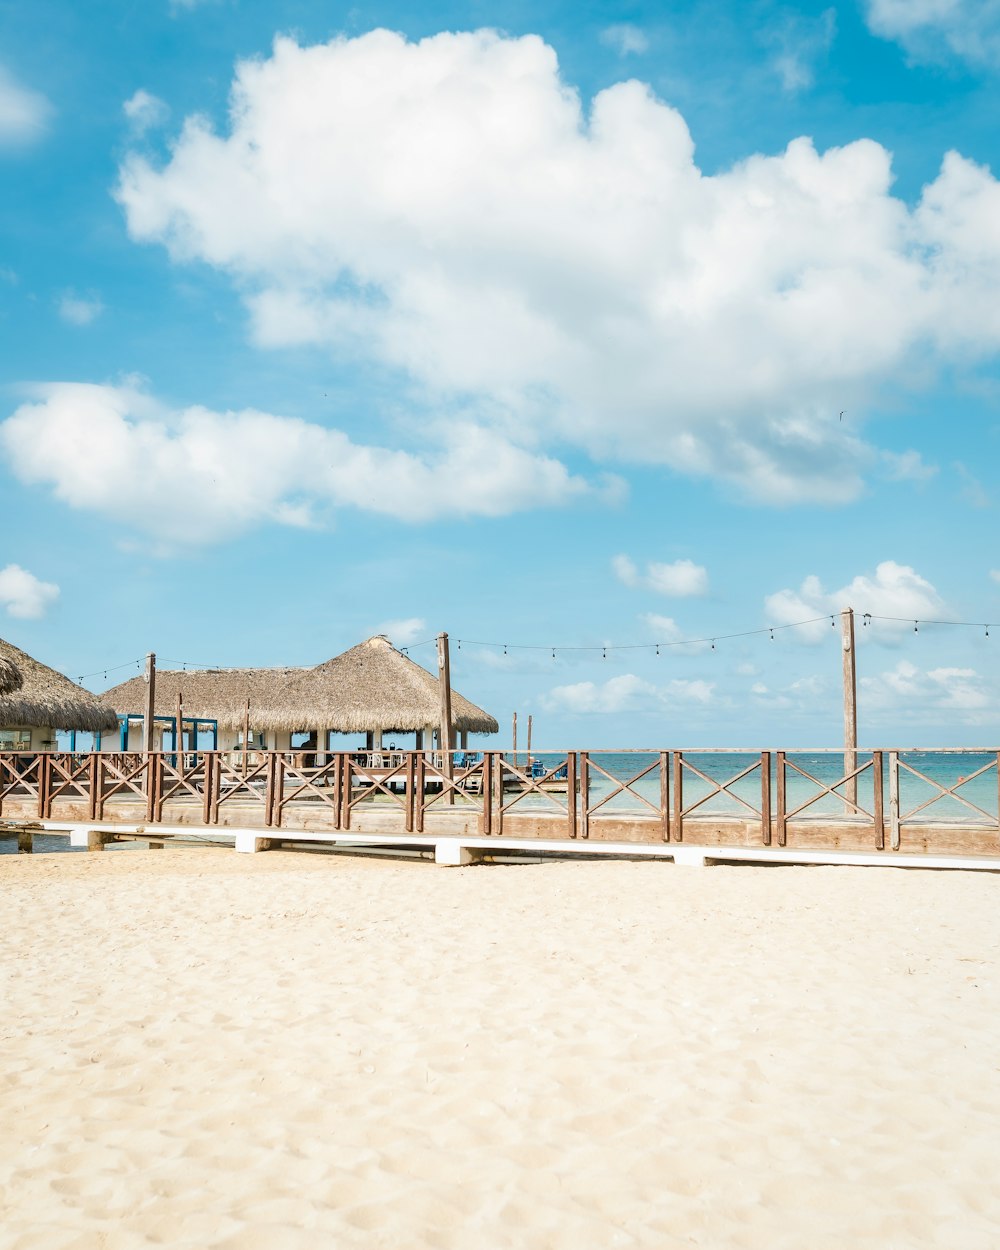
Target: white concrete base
column 454, row 854
column 690, row 856
column 249, row 843
column 91, row 839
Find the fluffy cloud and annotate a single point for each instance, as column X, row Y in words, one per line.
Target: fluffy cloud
column 22, row 594
column 965, row 695
column 626, row 693
column 574, row 272
column 681, row 579
column 201, row 476
column 403, row 632
column 969, row 29
column 896, row 590
column 24, row 113
column 798, row 43
column 625, row 38
column 145, row 111
column 907, row 466
column 79, row 311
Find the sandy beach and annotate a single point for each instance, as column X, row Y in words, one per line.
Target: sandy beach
column 299, row 1050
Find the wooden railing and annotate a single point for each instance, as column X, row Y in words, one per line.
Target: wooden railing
column 666, row 795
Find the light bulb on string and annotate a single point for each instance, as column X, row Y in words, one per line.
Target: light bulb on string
column 604, row 651
column 833, row 622
column 772, row 635
column 657, row 648
column 713, row 644
column 505, row 648
column 915, row 630
column 553, row 653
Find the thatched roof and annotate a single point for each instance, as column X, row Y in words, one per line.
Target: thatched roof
column 369, row 688
column 375, row 687
column 48, row 700
column 10, row 677
column 218, row 694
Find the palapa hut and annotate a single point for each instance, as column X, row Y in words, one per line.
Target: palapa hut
column 43, row 702
column 371, row 689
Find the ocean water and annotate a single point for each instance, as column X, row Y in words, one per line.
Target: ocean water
column 807, row 774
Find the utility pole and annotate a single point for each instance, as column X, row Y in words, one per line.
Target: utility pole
column 149, row 710
column 850, row 706
column 444, row 681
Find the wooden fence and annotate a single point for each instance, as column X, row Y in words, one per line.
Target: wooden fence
column 766, row 798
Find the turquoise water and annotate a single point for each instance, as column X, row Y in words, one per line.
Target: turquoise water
column 824, row 769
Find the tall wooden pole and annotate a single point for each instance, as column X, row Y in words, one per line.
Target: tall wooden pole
column 246, row 736
column 180, row 729
column 149, row 709
column 850, row 705
column 444, row 680
column 529, row 742
column 513, row 734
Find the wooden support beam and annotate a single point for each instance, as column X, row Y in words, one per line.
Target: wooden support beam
column 878, row 804
column 665, row 794
column 894, row 799
column 444, row 680
column 765, row 797
column 149, row 708
column 850, row 681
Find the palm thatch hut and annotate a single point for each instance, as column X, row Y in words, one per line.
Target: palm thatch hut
column 10, row 677
column 371, row 689
column 44, row 702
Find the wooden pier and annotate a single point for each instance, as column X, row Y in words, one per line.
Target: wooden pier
column 672, row 807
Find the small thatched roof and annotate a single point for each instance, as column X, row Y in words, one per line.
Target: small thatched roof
column 48, row 700
column 10, row 677
column 375, row 687
column 372, row 687
column 218, row 694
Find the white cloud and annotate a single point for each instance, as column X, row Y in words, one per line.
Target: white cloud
column 681, row 579
column 145, row 111
column 625, row 38
column 22, row 594
column 626, row 693
column 966, row 696
column 194, row 475
column 907, row 466
column 402, row 633
column 575, row 273
column 995, row 574
column 79, row 310
column 896, row 590
column 24, row 113
column 799, row 43
column 931, row 29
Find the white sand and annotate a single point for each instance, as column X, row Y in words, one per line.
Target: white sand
column 201, row 1049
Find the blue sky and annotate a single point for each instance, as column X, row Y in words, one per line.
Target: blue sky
column 530, row 323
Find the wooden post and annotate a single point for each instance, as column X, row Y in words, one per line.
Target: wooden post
column 409, row 796
column 513, row 734
column 154, row 800
column 571, row 793
column 584, row 794
column 894, row 799
column 444, row 680
column 678, row 829
column 850, row 709
column 487, row 793
column 529, row 742
column 180, row 731
column 765, row 797
column 878, row 808
column 498, row 789
column 782, row 805
column 246, row 736
column 149, row 709
column 665, row 794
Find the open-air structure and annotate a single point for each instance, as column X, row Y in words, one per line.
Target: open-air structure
column 36, row 701
column 372, row 689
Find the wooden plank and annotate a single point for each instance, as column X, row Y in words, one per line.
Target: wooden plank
column 444, row 678
column 571, row 806
column 850, row 681
column 878, row 800
column 677, row 831
column 665, row 794
column 208, row 765
column 894, row 799
column 782, row 803
column 409, row 783
column 487, row 794
column 44, row 785
column 765, row 797
column 149, row 706
column 584, row 794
